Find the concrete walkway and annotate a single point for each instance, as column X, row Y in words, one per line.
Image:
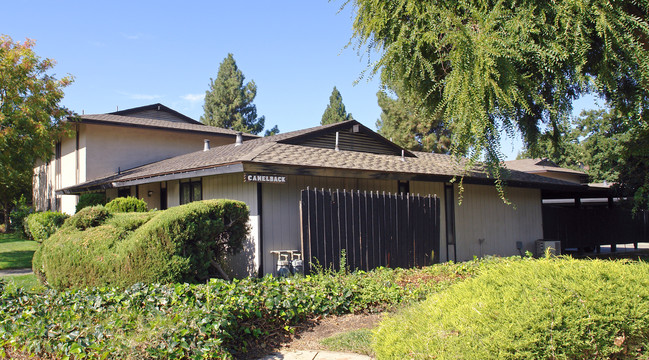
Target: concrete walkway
column 314, row 355
column 9, row 272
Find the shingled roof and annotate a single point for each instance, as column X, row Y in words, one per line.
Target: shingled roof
column 295, row 150
column 155, row 116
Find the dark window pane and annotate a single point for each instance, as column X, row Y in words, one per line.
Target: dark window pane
column 185, row 193
column 197, row 191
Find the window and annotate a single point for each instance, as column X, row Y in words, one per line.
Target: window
column 191, row 191
column 124, row 192
column 404, row 187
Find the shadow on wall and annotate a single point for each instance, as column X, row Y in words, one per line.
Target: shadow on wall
column 243, row 264
column 42, row 191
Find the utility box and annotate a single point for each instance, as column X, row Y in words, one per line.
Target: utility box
column 542, row 245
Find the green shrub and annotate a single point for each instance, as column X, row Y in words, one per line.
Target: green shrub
column 178, row 244
column 88, row 217
column 39, row 226
column 127, row 204
column 534, row 309
column 18, row 214
column 181, row 321
column 90, row 199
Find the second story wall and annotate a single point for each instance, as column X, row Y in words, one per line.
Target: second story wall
column 111, row 147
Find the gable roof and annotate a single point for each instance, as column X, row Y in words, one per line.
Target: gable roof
column 156, row 111
column 300, row 152
column 155, row 116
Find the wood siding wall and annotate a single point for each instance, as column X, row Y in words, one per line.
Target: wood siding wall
column 483, row 215
column 350, row 142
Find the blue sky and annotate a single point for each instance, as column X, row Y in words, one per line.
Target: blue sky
column 128, row 54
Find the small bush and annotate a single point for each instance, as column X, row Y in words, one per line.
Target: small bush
column 88, row 217
column 39, row 226
column 533, row 309
column 127, row 204
column 17, row 216
column 90, row 199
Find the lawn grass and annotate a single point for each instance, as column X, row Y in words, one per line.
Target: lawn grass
column 355, row 341
column 28, row 282
column 16, row 252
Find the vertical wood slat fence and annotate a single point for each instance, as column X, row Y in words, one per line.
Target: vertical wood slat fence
column 374, row 229
column 582, row 228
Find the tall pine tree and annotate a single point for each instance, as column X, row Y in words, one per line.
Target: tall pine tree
column 335, row 111
column 228, row 102
column 410, row 126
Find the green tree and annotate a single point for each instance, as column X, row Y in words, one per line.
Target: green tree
column 594, row 141
column 228, row 102
column 30, row 117
column 335, row 111
column 488, row 66
column 271, row 132
column 410, row 126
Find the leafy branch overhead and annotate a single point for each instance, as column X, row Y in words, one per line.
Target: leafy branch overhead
column 488, row 66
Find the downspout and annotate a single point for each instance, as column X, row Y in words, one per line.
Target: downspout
column 260, row 226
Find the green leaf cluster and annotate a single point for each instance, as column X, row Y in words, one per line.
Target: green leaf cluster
column 41, row 225
column 493, row 66
column 30, row 116
column 533, row 309
column 410, row 126
column 335, row 111
column 127, row 204
column 90, row 199
column 228, row 102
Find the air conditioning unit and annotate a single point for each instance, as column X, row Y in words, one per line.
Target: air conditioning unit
column 553, row 245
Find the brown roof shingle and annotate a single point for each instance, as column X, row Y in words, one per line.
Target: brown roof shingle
column 270, row 150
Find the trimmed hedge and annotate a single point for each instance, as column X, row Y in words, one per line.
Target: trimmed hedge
column 534, row 309
column 178, row 244
column 88, row 217
column 90, row 199
column 39, row 226
column 127, row 204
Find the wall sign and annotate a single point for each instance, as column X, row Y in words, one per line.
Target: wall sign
column 273, row 179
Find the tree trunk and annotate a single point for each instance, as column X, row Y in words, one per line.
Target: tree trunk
column 219, row 270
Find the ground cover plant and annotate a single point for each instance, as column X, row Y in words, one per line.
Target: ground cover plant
column 219, row 319
column 534, row 309
column 15, row 251
column 99, row 247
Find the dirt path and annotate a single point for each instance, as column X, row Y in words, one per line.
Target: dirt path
column 309, row 338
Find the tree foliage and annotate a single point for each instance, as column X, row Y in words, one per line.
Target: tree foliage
column 595, row 141
column 228, row 102
column 30, row 116
column 335, row 111
column 271, row 132
column 411, row 127
column 488, row 66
